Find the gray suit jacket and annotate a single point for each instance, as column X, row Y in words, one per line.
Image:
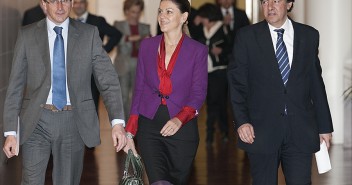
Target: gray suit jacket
column 125, row 48
column 30, row 80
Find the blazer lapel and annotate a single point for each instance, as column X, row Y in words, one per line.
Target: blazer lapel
column 267, row 48
column 298, row 43
column 72, row 37
column 43, row 46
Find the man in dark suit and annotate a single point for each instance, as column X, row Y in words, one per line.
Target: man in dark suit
column 234, row 18
column 105, row 30
column 32, row 15
column 278, row 96
column 50, row 90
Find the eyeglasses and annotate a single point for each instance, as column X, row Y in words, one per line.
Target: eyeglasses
column 58, row 1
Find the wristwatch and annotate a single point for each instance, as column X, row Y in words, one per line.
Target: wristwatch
column 129, row 135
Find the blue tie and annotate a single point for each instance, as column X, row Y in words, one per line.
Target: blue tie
column 59, row 72
column 282, row 56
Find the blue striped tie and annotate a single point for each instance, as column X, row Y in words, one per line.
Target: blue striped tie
column 282, row 56
column 59, row 72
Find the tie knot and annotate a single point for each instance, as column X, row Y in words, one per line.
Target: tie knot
column 58, row 30
column 280, row 31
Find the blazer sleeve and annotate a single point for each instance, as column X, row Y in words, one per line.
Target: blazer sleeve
column 17, row 83
column 318, row 94
column 106, row 79
column 199, row 80
column 238, row 80
column 139, row 81
column 113, row 34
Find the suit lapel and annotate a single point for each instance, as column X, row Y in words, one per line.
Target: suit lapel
column 268, row 51
column 126, row 27
column 298, row 43
column 43, row 45
column 72, row 37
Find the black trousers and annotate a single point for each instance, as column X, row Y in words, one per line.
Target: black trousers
column 167, row 158
column 217, row 103
column 296, row 165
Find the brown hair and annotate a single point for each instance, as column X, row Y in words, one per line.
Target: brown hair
column 183, row 6
column 129, row 3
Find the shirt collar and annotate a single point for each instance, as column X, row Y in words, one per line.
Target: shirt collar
column 51, row 26
column 83, row 17
column 230, row 10
column 286, row 26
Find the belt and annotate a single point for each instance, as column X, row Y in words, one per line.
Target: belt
column 54, row 109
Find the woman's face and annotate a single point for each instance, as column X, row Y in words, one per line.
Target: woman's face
column 133, row 13
column 170, row 17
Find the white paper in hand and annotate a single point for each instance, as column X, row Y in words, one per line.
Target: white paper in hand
column 323, row 159
column 18, row 137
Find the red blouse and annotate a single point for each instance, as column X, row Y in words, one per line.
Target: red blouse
column 165, row 87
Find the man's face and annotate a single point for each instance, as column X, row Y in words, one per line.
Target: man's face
column 275, row 11
column 57, row 11
column 225, row 3
column 79, row 7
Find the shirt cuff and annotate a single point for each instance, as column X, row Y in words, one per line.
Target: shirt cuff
column 117, row 121
column 186, row 114
column 10, row 133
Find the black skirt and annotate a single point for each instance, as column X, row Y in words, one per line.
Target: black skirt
column 167, row 158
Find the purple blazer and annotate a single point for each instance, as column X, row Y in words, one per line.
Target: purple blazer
column 189, row 78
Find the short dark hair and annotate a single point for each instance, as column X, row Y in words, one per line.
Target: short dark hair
column 210, row 11
column 182, row 5
column 129, row 3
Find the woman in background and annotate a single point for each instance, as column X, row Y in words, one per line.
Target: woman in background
column 215, row 36
column 171, row 86
column 126, row 61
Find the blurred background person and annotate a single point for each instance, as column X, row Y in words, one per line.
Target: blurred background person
column 105, row 29
column 126, row 60
column 170, row 89
column 34, row 14
column 234, row 18
column 216, row 36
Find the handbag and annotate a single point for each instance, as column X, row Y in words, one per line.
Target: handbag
column 134, row 178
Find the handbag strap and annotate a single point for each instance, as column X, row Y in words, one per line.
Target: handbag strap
column 136, row 162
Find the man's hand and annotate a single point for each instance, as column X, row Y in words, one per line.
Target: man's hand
column 327, row 138
column 10, row 146
column 171, row 127
column 118, row 137
column 246, row 133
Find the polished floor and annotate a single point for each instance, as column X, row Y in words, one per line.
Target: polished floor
column 220, row 164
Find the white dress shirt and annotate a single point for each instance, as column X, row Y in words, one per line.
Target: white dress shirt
column 83, row 18
column 288, row 37
column 230, row 12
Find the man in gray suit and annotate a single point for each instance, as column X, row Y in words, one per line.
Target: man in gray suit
column 59, row 120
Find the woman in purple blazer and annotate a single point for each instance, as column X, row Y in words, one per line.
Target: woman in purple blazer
column 170, row 88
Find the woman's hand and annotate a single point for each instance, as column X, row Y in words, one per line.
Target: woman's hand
column 130, row 145
column 171, row 127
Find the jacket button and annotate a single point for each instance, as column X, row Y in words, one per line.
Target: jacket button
column 41, row 105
